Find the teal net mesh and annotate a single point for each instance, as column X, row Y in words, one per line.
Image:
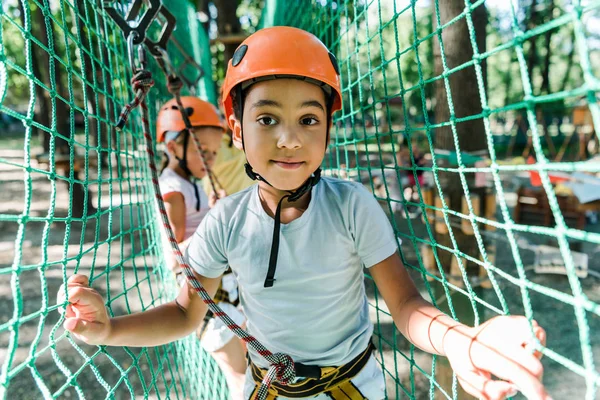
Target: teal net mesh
column 451, row 118
column 86, row 205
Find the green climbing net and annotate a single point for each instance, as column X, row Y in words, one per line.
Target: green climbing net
column 388, row 53
column 87, row 205
column 117, row 241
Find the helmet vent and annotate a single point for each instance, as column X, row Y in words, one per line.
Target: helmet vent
column 239, row 55
column 334, row 62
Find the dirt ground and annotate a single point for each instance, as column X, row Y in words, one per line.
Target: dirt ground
column 132, row 284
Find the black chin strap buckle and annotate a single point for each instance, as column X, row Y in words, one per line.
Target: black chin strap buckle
column 250, row 172
column 310, row 182
column 269, row 282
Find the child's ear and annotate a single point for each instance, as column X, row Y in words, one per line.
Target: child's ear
column 236, row 132
column 172, row 148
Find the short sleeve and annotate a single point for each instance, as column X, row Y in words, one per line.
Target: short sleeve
column 206, row 251
column 169, row 185
column 372, row 232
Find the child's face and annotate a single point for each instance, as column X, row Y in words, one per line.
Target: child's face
column 285, row 128
column 210, row 140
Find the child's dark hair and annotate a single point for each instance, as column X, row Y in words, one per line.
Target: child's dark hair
column 165, row 156
column 235, row 101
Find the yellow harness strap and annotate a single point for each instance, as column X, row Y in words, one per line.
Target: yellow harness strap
column 346, row 391
column 334, row 381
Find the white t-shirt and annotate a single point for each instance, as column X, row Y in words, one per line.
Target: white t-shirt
column 169, row 182
column 317, row 309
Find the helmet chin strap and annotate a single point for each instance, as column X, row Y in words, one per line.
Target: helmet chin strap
column 293, row 195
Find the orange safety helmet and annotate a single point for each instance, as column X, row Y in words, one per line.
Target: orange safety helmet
column 200, row 113
column 281, row 51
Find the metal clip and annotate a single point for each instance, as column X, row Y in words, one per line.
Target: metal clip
column 141, row 28
column 165, row 35
column 165, row 61
column 131, row 52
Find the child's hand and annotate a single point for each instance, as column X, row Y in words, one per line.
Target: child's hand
column 212, row 199
column 499, row 347
column 86, row 316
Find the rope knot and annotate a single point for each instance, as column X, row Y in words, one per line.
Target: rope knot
column 142, row 80
column 174, row 84
column 285, row 371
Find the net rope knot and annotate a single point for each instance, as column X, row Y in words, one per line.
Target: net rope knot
column 141, row 82
column 174, row 84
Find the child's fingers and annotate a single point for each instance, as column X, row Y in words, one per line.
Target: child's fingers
column 540, row 334
column 69, row 312
column 60, row 298
column 78, row 325
column 527, row 360
column 78, row 279
column 85, row 330
column 522, row 330
column 506, row 368
column 70, row 324
column 85, row 297
column 483, row 387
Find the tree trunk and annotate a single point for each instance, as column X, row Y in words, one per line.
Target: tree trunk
column 107, row 135
column 464, row 91
column 202, row 7
column 531, row 23
column 545, row 86
column 42, row 99
column 570, row 57
column 228, row 24
column 61, row 111
column 87, row 70
column 79, row 191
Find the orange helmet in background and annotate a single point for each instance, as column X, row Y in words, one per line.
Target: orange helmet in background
column 280, row 52
column 200, row 113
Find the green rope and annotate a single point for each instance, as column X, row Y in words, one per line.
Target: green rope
column 386, row 55
column 378, row 53
column 591, row 375
column 118, row 245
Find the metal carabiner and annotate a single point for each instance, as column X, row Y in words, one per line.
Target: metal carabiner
column 131, row 39
column 168, row 28
column 144, row 22
column 164, row 57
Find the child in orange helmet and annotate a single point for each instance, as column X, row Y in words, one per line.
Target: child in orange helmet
column 186, row 204
column 298, row 243
column 185, row 200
